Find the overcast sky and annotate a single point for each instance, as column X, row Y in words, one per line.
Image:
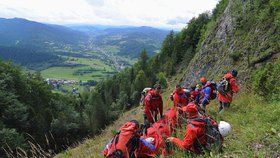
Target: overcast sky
column 157, row 13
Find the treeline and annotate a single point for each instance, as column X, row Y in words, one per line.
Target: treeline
column 31, row 115
column 33, row 58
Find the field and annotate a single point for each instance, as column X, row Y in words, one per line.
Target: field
column 75, row 73
column 79, row 69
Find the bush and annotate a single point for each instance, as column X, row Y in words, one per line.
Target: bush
column 235, row 56
column 266, row 81
column 161, row 79
column 12, row 139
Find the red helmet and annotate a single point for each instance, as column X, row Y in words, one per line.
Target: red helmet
column 203, row 80
column 191, row 110
column 228, row 76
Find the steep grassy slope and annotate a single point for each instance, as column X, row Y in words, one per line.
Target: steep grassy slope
column 94, row 147
column 255, row 124
column 244, row 36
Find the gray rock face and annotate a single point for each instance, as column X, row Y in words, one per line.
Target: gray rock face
column 237, row 40
column 214, row 51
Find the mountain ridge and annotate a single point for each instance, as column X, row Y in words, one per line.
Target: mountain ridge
column 51, row 38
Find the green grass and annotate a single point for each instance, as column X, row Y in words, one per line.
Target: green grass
column 112, row 49
column 255, row 130
column 66, row 72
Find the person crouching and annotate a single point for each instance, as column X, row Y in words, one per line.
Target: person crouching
column 195, row 137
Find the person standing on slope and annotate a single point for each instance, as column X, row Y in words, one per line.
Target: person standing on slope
column 194, row 94
column 226, row 88
column 207, row 93
column 204, row 93
column 179, row 97
column 153, row 105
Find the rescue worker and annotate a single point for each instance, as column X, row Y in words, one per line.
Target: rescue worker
column 203, row 81
column 170, row 118
column 127, row 142
column 194, row 94
column 205, row 96
column 156, row 134
column 226, row 98
column 153, row 105
column 195, row 137
column 179, row 97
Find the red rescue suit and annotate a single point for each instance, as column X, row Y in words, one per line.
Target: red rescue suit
column 179, row 98
column 232, row 88
column 159, row 131
column 153, row 105
column 194, row 137
column 171, row 118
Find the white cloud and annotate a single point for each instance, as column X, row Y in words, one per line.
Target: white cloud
column 157, row 13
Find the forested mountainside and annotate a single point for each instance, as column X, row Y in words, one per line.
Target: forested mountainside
column 25, row 33
column 20, row 38
column 237, row 34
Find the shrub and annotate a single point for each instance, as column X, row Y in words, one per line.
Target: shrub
column 235, row 56
column 266, row 81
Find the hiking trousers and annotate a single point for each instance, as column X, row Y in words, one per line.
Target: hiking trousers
column 223, row 105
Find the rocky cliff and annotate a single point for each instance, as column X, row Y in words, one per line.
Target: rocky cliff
column 237, row 39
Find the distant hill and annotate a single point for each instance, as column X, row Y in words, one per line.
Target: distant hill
column 20, row 37
column 24, row 33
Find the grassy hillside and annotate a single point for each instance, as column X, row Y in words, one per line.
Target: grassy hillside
column 255, row 128
column 241, row 35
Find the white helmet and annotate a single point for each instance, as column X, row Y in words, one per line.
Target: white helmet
column 224, row 128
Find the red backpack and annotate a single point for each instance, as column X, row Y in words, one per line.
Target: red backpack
column 124, row 142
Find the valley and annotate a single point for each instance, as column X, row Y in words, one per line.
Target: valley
column 84, row 54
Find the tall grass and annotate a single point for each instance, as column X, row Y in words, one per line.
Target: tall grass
column 255, row 130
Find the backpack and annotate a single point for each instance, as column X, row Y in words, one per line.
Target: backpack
column 143, row 95
column 116, row 154
column 132, row 145
column 125, row 141
column 223, row 86
column 213, row 93
column 213, row 136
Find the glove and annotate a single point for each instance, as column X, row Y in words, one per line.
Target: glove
column 150, row 139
